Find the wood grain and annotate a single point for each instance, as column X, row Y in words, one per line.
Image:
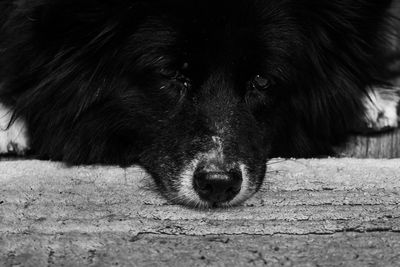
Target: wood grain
column 386, row 145
column 329, row 212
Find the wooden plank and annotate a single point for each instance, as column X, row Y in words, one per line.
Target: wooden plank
column 385, row 145
column 124, row 249
column 309, row 213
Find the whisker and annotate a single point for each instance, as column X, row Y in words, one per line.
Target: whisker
column 276, row 162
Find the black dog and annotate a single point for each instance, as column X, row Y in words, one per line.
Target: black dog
column 200, row 93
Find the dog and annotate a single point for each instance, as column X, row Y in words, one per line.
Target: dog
column 200, row 93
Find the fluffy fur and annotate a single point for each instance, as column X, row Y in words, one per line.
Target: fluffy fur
column 171, row 84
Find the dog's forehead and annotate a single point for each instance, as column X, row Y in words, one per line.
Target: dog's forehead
column 203, row 46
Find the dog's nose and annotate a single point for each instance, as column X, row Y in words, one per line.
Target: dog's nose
column 217, row 186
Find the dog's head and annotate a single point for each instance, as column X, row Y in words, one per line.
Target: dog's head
column 213, row 99
column 211, row 90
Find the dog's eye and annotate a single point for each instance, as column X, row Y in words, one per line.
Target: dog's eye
column 260, row 83
column 182, row 79
column 176, row 85
column 168, row 73
column 258, row 90
column 176, row 77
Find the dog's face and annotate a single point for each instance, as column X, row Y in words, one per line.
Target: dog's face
column 211, row 87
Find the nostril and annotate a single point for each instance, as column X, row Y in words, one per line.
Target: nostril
column 202, row 183
column 236, row 177
column 217, row 186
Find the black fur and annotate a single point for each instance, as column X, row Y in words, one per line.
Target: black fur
column 106, row 81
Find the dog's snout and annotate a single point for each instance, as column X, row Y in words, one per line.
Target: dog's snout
column 217, row 186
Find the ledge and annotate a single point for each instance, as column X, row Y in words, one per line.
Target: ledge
column 52, row 214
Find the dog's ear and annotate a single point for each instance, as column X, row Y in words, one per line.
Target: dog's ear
column 360, row 28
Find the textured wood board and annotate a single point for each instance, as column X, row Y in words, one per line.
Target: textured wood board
column 309, row 212
column 385, row 145
column 116, row 249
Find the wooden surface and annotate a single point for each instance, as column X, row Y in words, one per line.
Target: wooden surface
column 120, row 249
column 329, row 212
column 386, row 145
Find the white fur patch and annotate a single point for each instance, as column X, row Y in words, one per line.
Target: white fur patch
column 13, row 139
column 246, row 191
column 381, row 108
column 218, row 142
column 187, row 194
